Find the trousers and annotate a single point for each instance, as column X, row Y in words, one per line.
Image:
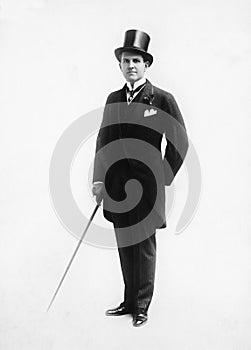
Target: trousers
column 138, row 265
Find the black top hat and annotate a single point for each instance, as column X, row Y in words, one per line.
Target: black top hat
column 135, row 41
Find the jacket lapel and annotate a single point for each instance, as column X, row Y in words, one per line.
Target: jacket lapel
column 146, row 96
column 123, row 94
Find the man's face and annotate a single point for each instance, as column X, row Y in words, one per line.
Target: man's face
column 133, row 66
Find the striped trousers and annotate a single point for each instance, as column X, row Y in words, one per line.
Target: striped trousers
column 138, row 263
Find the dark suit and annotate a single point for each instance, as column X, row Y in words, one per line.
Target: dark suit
column 136, row 130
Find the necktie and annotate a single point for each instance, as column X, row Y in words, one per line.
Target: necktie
column 132, row 92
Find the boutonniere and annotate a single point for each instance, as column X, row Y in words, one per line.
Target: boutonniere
column 149, row 99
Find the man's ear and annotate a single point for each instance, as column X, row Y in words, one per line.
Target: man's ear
column 146, row 64
column 120, row 66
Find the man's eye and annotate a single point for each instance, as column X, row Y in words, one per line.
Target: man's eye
column 136, row 61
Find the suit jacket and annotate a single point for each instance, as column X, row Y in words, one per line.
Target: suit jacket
column 129, row 147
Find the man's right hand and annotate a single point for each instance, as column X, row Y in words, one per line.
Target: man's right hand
column 98, row 191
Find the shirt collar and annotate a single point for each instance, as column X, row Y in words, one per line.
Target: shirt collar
column 136, row 84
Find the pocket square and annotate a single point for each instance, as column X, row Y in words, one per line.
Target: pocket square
column 150, row 112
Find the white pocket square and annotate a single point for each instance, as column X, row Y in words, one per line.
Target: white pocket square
column 150, row 112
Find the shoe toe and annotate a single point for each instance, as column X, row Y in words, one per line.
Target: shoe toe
column 119, row 311
column 139, row 320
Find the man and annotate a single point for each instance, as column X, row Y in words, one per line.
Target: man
column 129, row 147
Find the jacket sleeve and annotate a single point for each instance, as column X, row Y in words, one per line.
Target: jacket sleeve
column 99, row 160
column 176, row 138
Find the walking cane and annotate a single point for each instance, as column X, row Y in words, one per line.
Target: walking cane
column 75, row 252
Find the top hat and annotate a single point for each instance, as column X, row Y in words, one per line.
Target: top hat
column 135, row 41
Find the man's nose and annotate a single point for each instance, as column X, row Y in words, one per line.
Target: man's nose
column 131, row 64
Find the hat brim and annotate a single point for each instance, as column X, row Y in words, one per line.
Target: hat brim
column 147, row 56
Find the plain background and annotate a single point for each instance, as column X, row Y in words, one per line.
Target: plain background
column 57, row 63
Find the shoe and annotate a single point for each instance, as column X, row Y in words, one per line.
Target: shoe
column 118, row 311
column 140, row 319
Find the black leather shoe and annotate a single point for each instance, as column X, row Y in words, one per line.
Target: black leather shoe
column 140, row 319
column 118, row 311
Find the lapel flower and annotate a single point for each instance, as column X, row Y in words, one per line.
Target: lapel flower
column 149, row 99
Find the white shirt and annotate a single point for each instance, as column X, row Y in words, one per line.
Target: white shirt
column 136, row 84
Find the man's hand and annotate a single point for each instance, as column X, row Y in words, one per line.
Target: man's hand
column 98, row 191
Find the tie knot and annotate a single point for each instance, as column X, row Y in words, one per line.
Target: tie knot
column 133, row 91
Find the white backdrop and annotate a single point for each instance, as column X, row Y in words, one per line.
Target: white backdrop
column 57, row 63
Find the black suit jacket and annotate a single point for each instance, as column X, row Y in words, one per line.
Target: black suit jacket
column 129, row 147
